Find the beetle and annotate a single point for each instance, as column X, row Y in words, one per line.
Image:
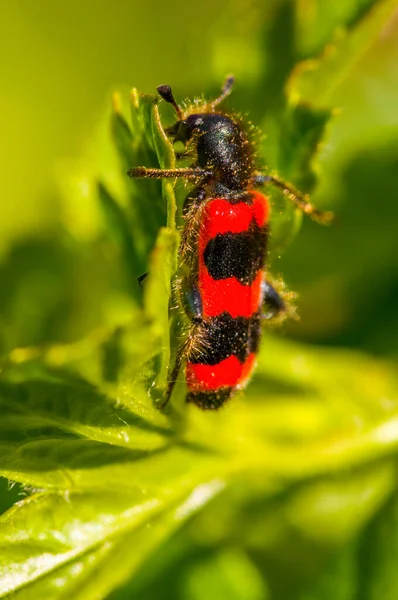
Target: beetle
column 222, row 255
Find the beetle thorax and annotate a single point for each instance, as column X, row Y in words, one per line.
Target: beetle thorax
column 222, row 146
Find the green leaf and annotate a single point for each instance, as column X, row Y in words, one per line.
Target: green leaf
column 120, row 230
column 226, row 575
column 81, row 543
column 319, row 23
column 316, row 80
column 131, row 462
column 158, row 293
column 289, row 491
column 377, row 555
column 303, row 129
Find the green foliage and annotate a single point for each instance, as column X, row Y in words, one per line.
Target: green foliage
column 290, row 490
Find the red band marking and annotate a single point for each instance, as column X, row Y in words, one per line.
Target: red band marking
column 230, row 372
column 222, row 216
column 229, row 295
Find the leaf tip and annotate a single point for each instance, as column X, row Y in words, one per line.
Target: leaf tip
column 116, row 103
column 134, row 98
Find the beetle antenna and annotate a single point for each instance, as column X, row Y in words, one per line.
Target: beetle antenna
column 226, row 90
column 167, row 95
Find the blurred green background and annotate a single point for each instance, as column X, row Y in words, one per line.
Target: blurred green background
column 61, row 64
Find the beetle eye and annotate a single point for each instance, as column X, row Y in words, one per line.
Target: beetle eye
column 184, row 132
column 172, row 130
column 180, row 131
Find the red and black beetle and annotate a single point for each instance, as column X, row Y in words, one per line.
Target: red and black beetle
column 223, row 282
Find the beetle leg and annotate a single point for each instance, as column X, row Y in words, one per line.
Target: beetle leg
column 148, row 172
column 273, row 303
column 192, row 303
column 300, row 200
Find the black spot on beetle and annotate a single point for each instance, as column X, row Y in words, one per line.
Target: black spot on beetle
column 227, row 336
column 239, row 255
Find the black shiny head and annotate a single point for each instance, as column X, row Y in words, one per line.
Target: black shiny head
column 220, row 142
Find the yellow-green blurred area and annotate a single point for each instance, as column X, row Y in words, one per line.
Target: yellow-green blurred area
column 290, row 492
column 60, row 66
